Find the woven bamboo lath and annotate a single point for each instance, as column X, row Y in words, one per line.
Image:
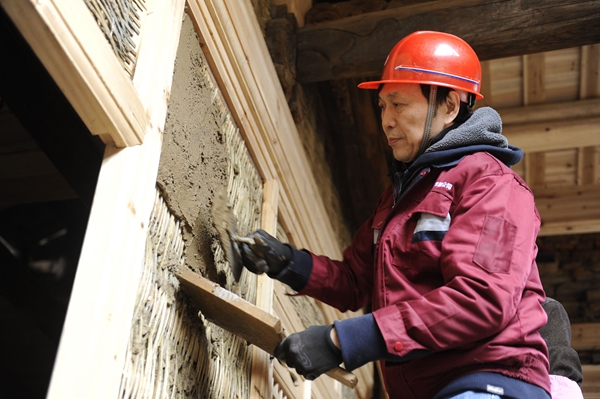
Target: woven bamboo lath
column 166, row 351
column 120, row 21
column 173, row 352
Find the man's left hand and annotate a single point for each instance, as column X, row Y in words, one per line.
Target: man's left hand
column 311, row 352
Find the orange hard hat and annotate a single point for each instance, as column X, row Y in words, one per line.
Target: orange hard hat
column 432, row 58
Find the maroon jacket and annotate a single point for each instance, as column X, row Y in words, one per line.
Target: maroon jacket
column 453, row 272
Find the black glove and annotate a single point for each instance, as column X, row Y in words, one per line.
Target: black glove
column 266, row 255
column 311, row 352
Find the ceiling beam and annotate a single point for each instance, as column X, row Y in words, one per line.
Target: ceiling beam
column 550, row 112
column 357, row 46
column 568, row 209
column 550, row 121
column 582, row 226
column 554, row 135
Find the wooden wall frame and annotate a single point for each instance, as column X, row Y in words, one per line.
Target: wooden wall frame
column 131, row 113
column 239, row 58
column 96, row 331
column 237, row 54
column 83, row 65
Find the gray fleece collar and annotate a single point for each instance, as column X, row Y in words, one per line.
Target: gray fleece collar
column 483, row 127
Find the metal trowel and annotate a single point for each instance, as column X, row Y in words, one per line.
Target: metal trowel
column 226, row 226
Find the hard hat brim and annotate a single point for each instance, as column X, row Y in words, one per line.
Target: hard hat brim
column 375, row 84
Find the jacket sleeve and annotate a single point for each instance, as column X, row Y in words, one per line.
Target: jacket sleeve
column 487, row 263
column 347, row 284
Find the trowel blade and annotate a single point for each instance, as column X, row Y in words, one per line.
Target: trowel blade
column 224, row 222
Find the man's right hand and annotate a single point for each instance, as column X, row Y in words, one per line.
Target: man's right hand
column 267, row 255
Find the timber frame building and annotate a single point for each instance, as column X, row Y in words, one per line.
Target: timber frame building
column 129, row 116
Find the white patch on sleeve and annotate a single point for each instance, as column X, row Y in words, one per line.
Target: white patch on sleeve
column 429, row 222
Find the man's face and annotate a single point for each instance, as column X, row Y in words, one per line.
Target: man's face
column 403, row 115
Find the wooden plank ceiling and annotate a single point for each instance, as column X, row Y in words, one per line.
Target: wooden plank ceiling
column 541, row 66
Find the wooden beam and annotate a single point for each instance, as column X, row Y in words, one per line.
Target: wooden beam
column 578, row 109
column 557, row 135
column 585, row 336
column 292, row 384
column 357, row 46
column 568, row 209
column 83, row 65
column 261, row 380
column 589, row 87
column 581, row 226
column 591, row 381
column 97, row 328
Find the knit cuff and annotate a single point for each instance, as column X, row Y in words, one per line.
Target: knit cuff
column 361, row 341
column 297, row 272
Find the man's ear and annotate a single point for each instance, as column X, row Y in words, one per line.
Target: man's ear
column 452, row 107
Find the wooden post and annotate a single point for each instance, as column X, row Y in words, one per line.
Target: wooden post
column 261, row 381
column 96, row 331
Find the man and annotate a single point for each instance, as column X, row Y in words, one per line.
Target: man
column 447, row 260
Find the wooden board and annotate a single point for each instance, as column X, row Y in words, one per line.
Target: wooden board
column 97, row 327
column 242, row 318
column 261, row 381
column 231, row 312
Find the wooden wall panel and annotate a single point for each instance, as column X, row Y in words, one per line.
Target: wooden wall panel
column 98, row 324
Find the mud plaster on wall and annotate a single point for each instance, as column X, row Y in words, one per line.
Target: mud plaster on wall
column 193, row 161
column 193, row 165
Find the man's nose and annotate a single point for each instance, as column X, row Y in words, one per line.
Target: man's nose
column 387, row 119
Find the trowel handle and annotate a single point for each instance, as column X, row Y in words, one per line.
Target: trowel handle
column 343, row 376
column 245, row 240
